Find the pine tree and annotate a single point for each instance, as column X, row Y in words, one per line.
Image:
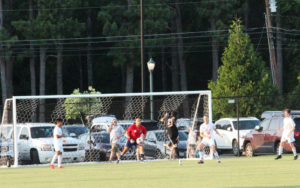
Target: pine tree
column 243, row 73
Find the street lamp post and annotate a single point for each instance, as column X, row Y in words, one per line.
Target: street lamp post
column 151, row 66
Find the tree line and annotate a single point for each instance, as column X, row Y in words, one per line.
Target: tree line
column 56, row 46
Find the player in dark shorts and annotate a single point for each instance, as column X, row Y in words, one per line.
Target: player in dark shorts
column 172, row 134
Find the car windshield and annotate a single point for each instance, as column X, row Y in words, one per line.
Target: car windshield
column 102, row 138
column 41, row 132
column 160, row 136
column 76, row 130
column 247, row 124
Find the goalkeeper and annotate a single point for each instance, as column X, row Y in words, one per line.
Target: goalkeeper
column 172, row 134
column 135, row 134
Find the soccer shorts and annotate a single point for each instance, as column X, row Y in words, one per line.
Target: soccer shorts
column 58, row 147
column 209, row 142
column 115, row 148
column 130, row 145
column 290, row 139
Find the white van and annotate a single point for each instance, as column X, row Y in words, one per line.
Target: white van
column 35, row 144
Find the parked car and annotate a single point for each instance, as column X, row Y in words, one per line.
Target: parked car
column 227, row 127
column 97, row 146
column 155, row 140
column 266, row 137
column 148, row 124
column 269, row 114
column 184, row 123
column 74, row 130
column 35, row 143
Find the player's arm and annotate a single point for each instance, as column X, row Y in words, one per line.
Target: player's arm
column 292, row 128
column 59, row 136
column 163, row 119
column 218, row 132
column 109, row 128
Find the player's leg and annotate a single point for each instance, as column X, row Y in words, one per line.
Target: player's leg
column 280, row 149
column 293, row 149
column 142, row 152
column 112, row 152
column 201, row 146
column 53, row 160
column 127, row 146
column 213, row 149
column 59, row 157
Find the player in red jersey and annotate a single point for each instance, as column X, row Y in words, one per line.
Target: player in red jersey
column 135, row 134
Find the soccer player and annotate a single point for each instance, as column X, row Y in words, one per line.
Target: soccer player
column 206, row 132
column 134, row 132
column 57, row 134
column 287, row 134
column 116, row 132
column 172, row 134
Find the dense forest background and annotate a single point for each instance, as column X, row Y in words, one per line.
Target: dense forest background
column 55, row 46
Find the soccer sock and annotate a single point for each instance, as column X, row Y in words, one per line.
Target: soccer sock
column 217, row 155
column 53, row 159
column 59, row 160
column 280, row 150
column 201, row 154
column 294, row 151
column 142, row 155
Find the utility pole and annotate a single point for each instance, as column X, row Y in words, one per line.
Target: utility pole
column 271, row 45
column 142, row 44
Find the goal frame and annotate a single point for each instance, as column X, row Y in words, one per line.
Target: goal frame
column 15, row 98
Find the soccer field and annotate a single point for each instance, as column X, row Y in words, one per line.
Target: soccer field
column 261, row 171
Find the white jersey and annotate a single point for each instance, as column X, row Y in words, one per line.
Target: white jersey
column 288, row 125
column 57, row 131
column 207, row 130
column 115, row 132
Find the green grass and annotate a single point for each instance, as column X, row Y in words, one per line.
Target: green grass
column 262, row 171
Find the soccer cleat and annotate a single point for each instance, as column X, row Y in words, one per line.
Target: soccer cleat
column 52, row 166
column 61, row 167
column 118, row 161
column 295, row 157
column 200, row 162
column 278, row 157
column 219, row 161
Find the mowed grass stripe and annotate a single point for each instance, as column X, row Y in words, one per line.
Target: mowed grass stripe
column 262, row 171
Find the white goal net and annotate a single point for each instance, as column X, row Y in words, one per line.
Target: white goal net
column 28, row 122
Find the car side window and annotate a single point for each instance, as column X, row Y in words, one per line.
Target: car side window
column 265, row 124
column 24, row 132
column 227, row 124
column 219, row 125
column 274, row 125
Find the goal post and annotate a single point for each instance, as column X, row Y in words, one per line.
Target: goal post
column 190, row 106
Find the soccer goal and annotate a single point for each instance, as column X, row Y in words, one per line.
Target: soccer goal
column 28, row 122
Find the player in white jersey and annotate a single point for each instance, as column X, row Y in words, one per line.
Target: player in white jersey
column 206, row 132
column 57, row 134
column 116, row 132
column 287, row 134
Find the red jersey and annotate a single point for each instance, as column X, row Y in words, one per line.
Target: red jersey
column 135, row 132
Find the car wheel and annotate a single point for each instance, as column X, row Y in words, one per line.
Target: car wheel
column 235, row 148
column 249, row 150
column 158, row 155
column 34, row 157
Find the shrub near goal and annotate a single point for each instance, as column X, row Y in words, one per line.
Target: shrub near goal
column 82, row 109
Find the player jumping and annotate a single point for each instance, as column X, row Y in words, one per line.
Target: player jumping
column 57, row 134
column 288, row 134
column 206, row 132
column 134, row 132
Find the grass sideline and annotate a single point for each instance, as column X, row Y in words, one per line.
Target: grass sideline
column 262, row 171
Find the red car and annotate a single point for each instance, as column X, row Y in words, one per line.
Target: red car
column 265, row 138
